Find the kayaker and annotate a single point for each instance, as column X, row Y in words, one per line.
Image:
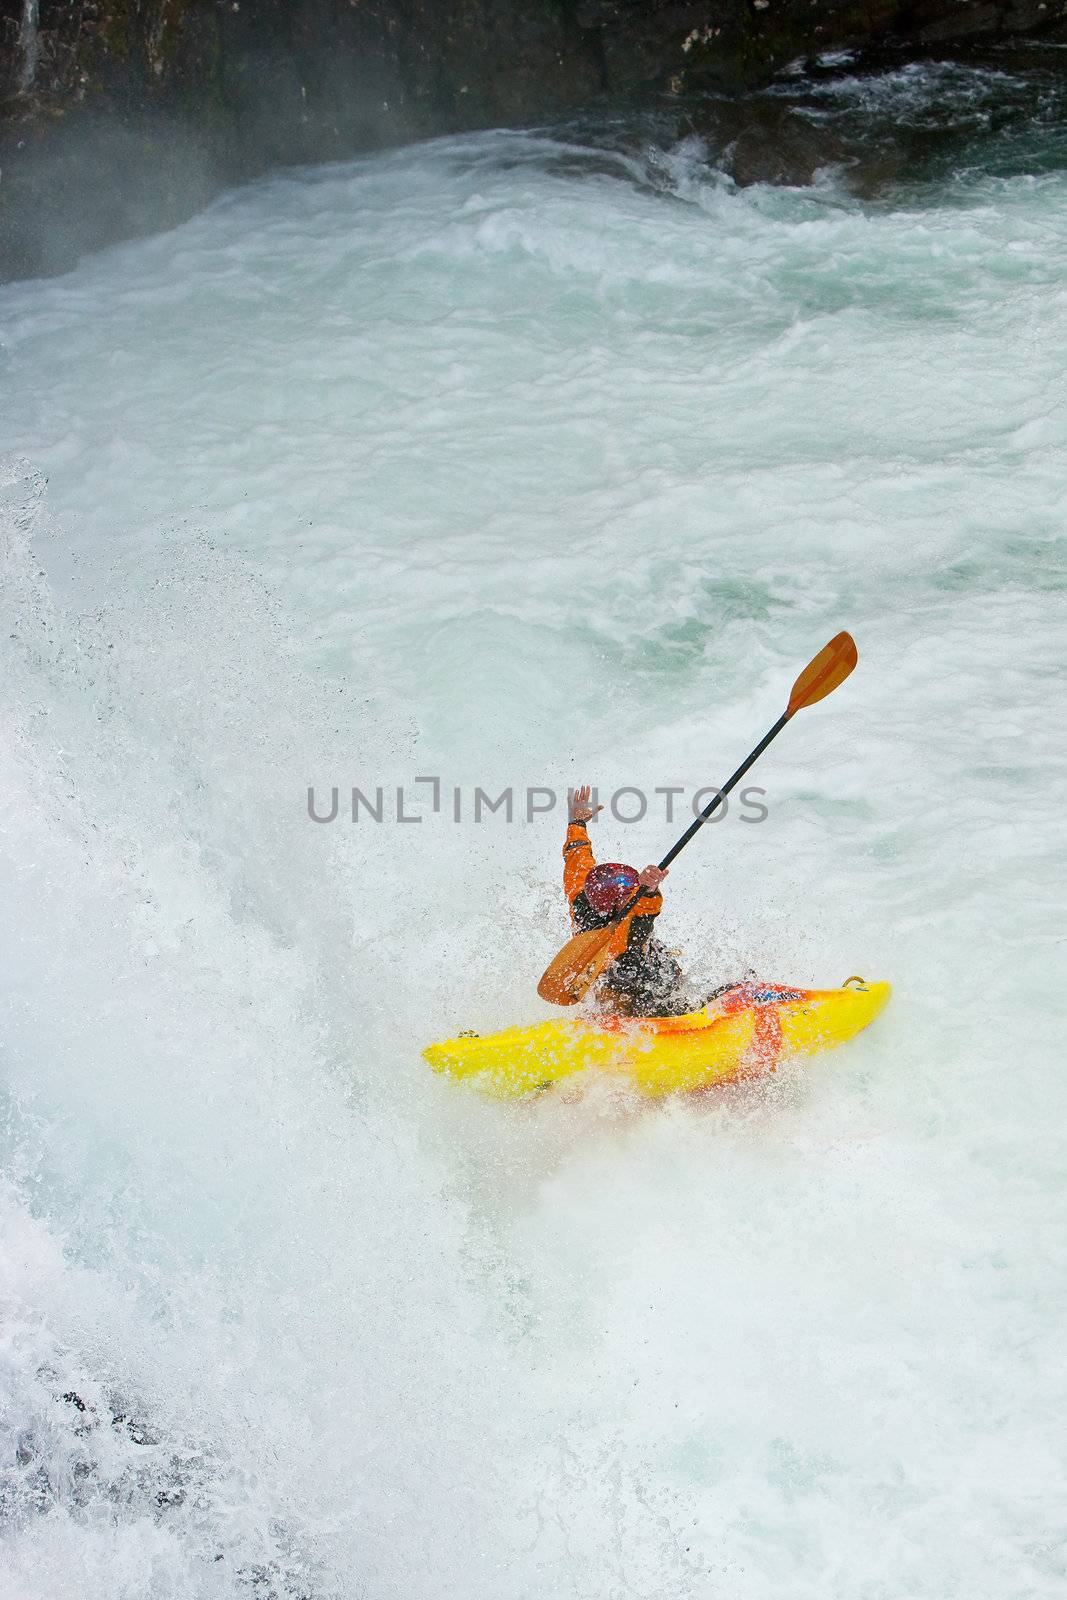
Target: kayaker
column 643, row 980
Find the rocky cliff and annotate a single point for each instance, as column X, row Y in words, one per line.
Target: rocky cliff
column 120, row 116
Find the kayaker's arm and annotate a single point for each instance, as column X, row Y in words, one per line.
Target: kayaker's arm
column 650, row 904
column 578, row 858
column 647, row 909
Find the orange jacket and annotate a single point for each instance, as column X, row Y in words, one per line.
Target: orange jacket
column 578, row 863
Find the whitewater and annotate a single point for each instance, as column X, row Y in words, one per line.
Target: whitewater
column 530, row 459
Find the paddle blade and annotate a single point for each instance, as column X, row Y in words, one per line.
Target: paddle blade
column 827, row 672
column 579, row 964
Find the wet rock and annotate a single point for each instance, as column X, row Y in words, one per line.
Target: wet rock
column 905, row 128
column 770, row 141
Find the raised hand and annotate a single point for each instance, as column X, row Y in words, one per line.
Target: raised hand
column 582, row 808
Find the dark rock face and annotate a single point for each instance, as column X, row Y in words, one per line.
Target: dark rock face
column 295, row 75
column 149, row 106
column 734, row 44
column 123, row 116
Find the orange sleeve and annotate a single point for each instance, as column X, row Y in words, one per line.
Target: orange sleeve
column 578, row 860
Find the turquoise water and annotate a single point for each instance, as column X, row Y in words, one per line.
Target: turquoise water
column 527, row 459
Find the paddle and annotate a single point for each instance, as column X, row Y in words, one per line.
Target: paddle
column 581, row 961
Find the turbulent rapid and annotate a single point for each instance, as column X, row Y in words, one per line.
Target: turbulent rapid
column 522, row 460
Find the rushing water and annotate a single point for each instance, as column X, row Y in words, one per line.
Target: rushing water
column 523, row 459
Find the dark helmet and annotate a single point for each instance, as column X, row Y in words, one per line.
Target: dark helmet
column 609, row 886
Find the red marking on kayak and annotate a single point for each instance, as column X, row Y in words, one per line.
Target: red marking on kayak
column 761, row 999
column 766, row 1043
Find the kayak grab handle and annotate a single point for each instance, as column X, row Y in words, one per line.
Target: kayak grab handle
column 855, row 983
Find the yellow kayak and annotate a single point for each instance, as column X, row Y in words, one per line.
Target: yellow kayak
column 746, row 1030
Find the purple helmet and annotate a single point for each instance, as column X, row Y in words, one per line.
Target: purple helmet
column 609, row 886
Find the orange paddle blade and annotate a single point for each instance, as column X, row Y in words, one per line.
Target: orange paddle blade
column 822, row 676
column 570, row 976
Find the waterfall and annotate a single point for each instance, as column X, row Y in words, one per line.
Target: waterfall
column 28, row 43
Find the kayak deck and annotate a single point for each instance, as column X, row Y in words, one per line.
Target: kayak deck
column 745, row 1031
